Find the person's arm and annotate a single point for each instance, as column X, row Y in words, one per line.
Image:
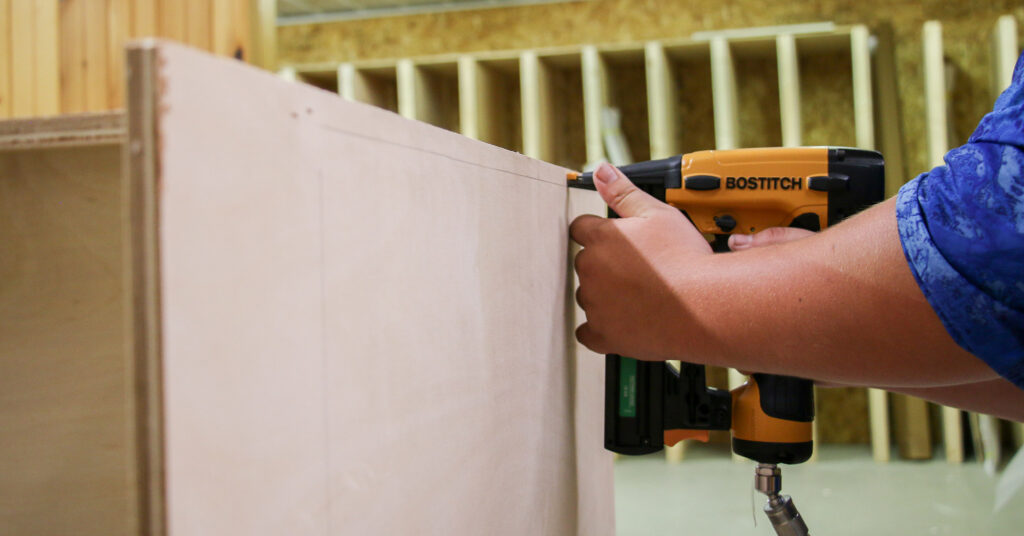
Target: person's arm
column 993, row 397
column 838, row 306
column 996, row 397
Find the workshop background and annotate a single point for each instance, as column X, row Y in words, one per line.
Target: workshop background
column 934, row 70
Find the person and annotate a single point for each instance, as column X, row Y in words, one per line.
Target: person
column 921, row 294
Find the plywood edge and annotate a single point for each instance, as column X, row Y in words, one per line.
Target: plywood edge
column 142, row 283
column 105, row 128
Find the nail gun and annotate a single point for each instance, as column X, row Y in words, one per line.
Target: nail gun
column 651, row 404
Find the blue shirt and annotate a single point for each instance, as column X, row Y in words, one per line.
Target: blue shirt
column 962, row 230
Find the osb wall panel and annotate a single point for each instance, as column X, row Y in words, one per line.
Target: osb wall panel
column 757, row 87
column 840, row 415
column 695, row 103
column 967, row 27
column 826, row 112
column 629, row 94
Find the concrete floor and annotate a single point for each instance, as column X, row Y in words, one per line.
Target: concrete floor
column 843, row 493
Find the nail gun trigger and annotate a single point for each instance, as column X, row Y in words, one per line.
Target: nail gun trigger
column 675, row 436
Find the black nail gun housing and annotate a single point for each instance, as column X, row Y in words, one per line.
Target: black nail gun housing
column 670, row 400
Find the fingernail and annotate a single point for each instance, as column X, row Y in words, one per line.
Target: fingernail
column 605, row 173
column 741, row 240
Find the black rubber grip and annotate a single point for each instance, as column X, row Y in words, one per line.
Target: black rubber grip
column 766, row 452
column 786, row 397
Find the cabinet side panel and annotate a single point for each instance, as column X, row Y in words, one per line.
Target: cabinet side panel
column 365, row 321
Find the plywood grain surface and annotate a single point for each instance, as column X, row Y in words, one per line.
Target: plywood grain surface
column 367, row 321
column 65, row 455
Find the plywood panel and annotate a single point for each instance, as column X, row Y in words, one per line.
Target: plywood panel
column 594, row 505
column 295, row 341
column 64, row 454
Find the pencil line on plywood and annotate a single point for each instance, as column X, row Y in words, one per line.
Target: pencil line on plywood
column 337, row 130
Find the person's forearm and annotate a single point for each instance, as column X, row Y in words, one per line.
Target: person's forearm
column 788, row 309
column 993, row 397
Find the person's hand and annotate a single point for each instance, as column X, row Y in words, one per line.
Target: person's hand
column 629, row 270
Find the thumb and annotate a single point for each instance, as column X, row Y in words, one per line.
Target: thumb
column 620, row 193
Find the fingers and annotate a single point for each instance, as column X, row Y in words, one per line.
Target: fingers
column 621, row 194
column 581, row 230
column 767, row 237
column 579, row 298
column 591, row 339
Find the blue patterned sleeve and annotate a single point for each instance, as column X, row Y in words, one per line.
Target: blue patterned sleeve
column 962, row 230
